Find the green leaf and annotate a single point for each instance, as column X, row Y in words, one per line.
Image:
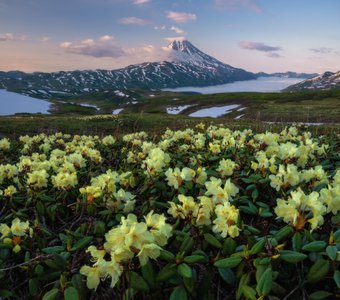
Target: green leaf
column 332, row 252
column 187, row 244
column 71, row 294
column 184, row 270
column 189, row 283
column 292, row 256
column 255, row 194
column 319, row 295
column 179, row 293
column 167, row 255
column 54, row 249
column 257, row 247
column 137, row 282
column 318, row 271
column 39, row 269
column 251, row 187
column 227, row 275
column 51, row 294
column 33, row 286
column 5, row 294
column 297, row 242
column 337, row 236
column 315, row 246
column 248, row 210
column 167, row 272
column 283, row 233
column 194, row 259
column 149, row 274
column 264, row 285
column 79, row 283
column 229, row 262
column 229, row 246
column 210, row 239
column 245, row 278
column 60, row 259
column 252, row 229
column 248, row 292
column 336, row 278
column 82, row 243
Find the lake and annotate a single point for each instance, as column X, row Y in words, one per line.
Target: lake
column 262, row 84
column 12, row 103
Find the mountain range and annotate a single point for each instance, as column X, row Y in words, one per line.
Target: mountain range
column 326, row 81
column 185, row 65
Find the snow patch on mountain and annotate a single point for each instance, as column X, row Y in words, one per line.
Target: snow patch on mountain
column 326, row 81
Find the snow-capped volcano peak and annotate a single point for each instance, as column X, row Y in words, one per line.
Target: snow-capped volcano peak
column 183, row 46
column 181, row 50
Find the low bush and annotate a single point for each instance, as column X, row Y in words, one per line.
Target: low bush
column 203, row 213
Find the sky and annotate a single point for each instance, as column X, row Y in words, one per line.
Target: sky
column 256, row 35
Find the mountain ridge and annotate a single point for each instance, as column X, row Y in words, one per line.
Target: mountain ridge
column 326, row 81
column 185, row 65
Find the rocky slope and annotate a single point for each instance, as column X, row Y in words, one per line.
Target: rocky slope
column 326, row 81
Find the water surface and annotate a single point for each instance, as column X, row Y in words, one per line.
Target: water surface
column 261, row 84
column 12, row 103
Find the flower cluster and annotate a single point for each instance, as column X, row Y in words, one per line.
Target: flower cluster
column 132, row 238
column 15, row 234
column 300, row 209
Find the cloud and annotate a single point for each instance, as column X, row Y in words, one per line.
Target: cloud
column 163, row 27
column 110, row 49
column 134, row 21
column 106, row 38
column 7, row 37
column 273, row 55
column 177, row 30
column 238, row 4
column 140, row 2
column 176, row 38
column 102, row 48
column 270, row 51
column 181, row 17
column 258, row 46
column 321, row 50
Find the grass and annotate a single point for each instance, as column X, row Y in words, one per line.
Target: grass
column 150, row 113
column 127, row 123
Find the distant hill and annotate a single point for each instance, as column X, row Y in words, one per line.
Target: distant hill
column 288, row 75
column 326, row 81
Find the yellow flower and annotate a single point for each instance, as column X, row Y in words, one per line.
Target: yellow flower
column 301, row 208
column 37, row 179
column 226, row 219
column 19, row 228
column 96, row 254
column 173, row 177
column 16, row 248
column 93, row 276
column 5, row 144
column 4, row 230
column 226, row 167
column 148, row 251
column 10, row 191
column 64, row 181
column 110, row 269
column 187, row 174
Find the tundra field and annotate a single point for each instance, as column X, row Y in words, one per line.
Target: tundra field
column 205, row 212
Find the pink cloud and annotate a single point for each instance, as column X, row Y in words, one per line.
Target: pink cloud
column 181, row 17
column 134, row 21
